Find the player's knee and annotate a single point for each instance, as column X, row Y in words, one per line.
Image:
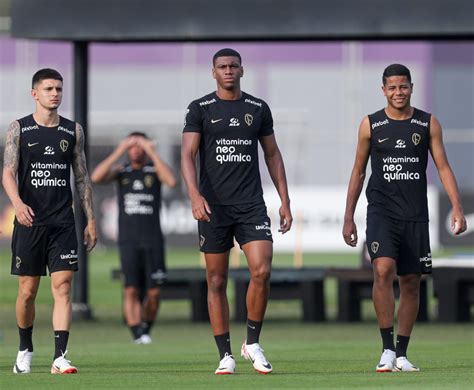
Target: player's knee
column 217, row 282
column 410, row 285
column 261, row 274
column 153, row 294
column 62, row 290
column 131, row 293
column 383, row 275
column 27, row 295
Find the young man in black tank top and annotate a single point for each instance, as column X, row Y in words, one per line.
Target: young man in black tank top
column 40, row 150
column 398, row 139
column 226, row 127
column 141, row 241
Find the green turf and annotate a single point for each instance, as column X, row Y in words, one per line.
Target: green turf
column 183, row 354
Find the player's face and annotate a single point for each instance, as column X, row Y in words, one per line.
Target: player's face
column 397, row 90
column 227, row 71
column 48, row 93
column 136, row 155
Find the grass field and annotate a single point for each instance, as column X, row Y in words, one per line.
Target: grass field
column 183, row 354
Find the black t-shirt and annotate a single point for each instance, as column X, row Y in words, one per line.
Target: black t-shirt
column 44, row 170
column 399, row 155
column 139, row 198
column 228, row 152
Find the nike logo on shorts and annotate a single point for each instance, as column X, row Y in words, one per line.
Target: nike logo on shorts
column 73, row 262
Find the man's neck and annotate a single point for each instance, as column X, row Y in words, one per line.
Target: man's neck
column 404, row 113
column 46, row 118
column 225, row 94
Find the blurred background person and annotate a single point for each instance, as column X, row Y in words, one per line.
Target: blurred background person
column 141, row 241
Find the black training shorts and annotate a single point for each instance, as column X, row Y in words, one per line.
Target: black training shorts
column 246, row 222
column 143, row 266
column 34, row 248
column 407, row 242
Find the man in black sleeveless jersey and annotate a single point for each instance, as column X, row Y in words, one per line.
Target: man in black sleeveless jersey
column 141, row 241
column 397, row 139
column 40, row 150
column 226, row 127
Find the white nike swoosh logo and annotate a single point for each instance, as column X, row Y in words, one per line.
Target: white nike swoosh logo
column 215, row 120
column 73, row 262
column 33, row 144
column 382, row 140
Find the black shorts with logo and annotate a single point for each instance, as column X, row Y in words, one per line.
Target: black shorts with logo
column 407, row 242
column 143, row 266
column 34, row 248
column 246, row 222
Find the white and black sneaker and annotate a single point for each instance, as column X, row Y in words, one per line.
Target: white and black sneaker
column 63, row 366
column 23, row 362
column 402, row 364
column 387, row 361
column 143, row 339
column 226, row 365
column 254, row 353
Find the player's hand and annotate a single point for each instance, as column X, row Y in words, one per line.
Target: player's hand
column 286, row 219
column 147, row 145
column 24, row 214
column 458, row 223
column 90, row 235
column 126, row 143
column 201, row 209
column 349, row 232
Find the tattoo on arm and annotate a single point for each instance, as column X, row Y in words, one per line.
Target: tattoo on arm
column 81, row 176
column 11, row 156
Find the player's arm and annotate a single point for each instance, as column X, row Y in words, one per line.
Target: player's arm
column 446, row 175
column 276, row 168
column 163, row 171
column 189, row 149
column 11, row 157
column 84, row 188
column 356, row 182
column 108, row 170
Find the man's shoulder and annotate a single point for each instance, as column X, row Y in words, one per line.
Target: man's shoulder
column 252, row 100
column 205, row 100
column 67, row 122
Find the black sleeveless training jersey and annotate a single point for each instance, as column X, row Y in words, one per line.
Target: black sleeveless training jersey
column 44, row 170
column 399, row 156
column 228, row 152
column 139, row 195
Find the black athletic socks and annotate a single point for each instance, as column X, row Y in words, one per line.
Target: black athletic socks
column 61, row 338
column 223, row 344
column 387, row 338
column 402, row 345
column 146, row 327
column 26, row 338
column 253, row 331
column 136, row 331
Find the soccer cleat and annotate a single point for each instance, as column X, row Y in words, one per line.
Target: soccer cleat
column 387, row 361
column 23, row 362
column 226, row 365
column 143, row 339
column 402, row 364
column 254, row 353
column 62, row 366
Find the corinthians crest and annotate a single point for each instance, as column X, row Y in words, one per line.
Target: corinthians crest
column 63, row 144
column 148, row 180
column 248, row 119
column 374, row 246
column 416, row 138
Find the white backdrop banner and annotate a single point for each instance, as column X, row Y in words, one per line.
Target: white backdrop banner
column 318, row 214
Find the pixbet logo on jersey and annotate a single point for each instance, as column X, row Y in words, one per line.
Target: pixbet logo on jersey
column 226, row 148
column 393, row 168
